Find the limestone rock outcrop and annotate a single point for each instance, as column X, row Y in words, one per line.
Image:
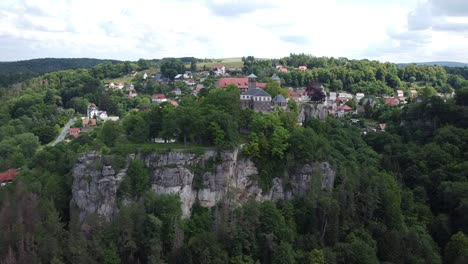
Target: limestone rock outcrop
column 208, row 178
column 94, row 189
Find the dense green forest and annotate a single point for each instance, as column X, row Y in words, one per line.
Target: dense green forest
column 400, row 196
column 17, row 71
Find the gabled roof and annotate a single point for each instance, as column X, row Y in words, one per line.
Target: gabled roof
column 275, row 77
column 158, row 96
column 294, row 94
column 88, row 121
column 8, row 175
column 256, row 92
column 391, row 101
column 344, row 108
column 252, row 76
column 368, row 99
column 74, row 130
column 239, row 82
column 279, row 99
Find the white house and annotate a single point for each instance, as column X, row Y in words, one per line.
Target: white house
column 345, row 96
column 177, row 91
column 145, row 76
column 400, row 93
column 120, row 85
column 359, row 96
column 93, row 111
column 219, row 70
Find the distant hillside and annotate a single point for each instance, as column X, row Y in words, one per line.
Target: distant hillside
column 17, row 71
column 438, row 63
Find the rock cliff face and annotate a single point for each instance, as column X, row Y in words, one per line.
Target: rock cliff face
column 208, row 178
column 313, row 111
column 95, row 187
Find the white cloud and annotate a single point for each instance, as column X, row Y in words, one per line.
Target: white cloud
column 393, row 30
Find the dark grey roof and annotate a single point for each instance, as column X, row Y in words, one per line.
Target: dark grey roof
column 279, row 99
column 256, row 92
column 366, row 100
column 275, row 77
column 252, row 76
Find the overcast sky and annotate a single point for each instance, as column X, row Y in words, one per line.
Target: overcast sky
column 390, row 30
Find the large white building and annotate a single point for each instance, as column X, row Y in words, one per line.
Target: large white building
column 94, row 112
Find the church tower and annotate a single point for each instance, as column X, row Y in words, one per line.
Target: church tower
column 252, row 81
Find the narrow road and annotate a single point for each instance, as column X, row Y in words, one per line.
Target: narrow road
column 64, row 132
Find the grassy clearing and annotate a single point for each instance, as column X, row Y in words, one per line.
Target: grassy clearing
column 120, row 80
column 227, row 62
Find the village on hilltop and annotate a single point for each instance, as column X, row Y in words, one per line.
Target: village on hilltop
column 254, row 94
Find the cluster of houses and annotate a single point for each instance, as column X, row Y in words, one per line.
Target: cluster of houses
column 93, row 115
column 129, row 89
column 254, row 96
column 283, row 69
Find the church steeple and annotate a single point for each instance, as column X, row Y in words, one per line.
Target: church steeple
column 252, row 81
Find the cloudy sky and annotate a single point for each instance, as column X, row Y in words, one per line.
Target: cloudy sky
column 390, row 30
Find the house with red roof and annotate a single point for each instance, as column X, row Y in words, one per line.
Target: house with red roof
column 74, row 132
column 343, row 110
column 302, row 68
column 282, row 69
column 295, row 95
column 158, row 98
column 87, row 122
column 8, row 176
column 241, row 83
column 392, row 101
